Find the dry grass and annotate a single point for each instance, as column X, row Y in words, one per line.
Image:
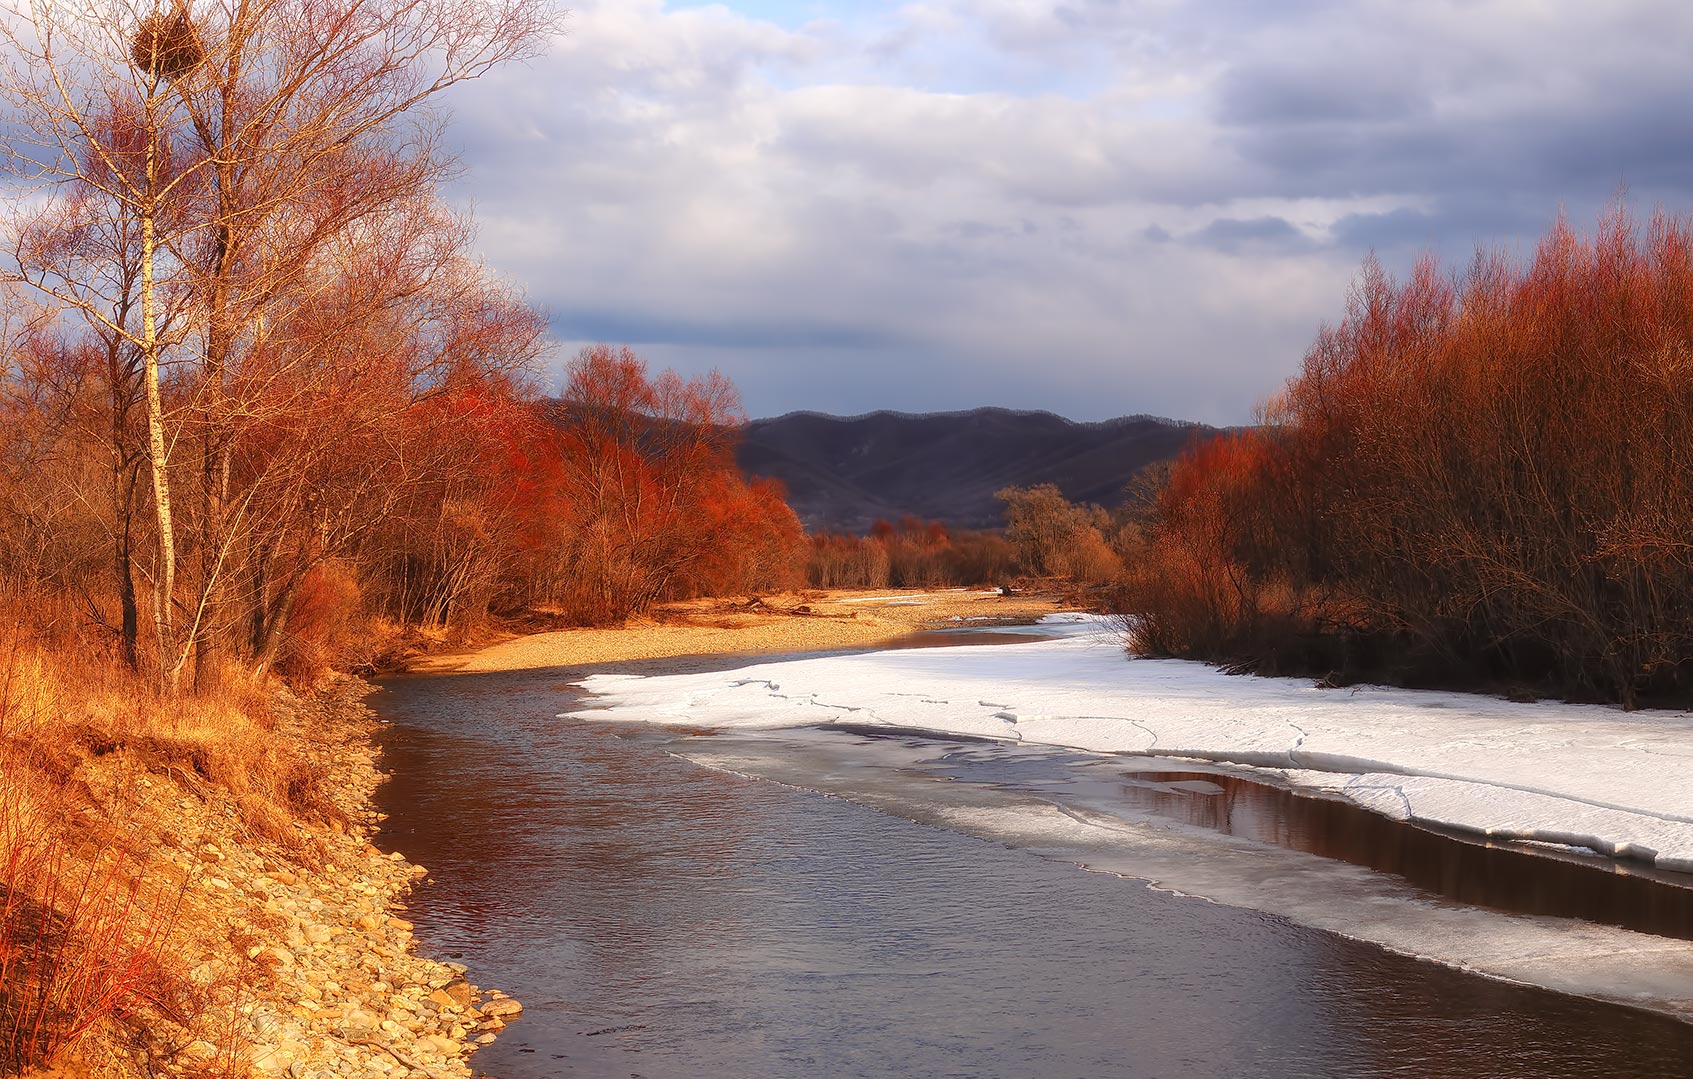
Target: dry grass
column 82, row 924
column 224, row 742
column 92, row 762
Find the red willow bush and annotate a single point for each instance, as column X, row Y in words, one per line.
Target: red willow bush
column 621, row 494
column 1486, row 478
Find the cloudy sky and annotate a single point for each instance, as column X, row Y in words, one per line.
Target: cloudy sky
column 1096, row 207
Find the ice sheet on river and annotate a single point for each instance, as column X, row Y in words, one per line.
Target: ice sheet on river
column 1580, row 775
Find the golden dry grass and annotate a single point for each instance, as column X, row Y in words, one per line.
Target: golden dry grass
column 96, row 770
column 82, row 924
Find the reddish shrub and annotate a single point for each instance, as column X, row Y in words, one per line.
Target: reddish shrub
column 1482, row 478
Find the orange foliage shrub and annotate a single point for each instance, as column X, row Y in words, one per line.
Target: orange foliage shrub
column 1202, row 580
column 326, row 625
column 622, row 494
column 1483, row 478
column 752, row 542
column 481, row 524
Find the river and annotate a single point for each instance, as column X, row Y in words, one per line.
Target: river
column 661, row 917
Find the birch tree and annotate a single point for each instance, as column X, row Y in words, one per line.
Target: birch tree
column 95, row 140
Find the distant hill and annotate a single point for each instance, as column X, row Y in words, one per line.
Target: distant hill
column 843, row 472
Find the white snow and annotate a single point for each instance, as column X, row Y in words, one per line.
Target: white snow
column 1573, row 775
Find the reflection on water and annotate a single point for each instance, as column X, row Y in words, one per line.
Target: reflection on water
column 1497, row 875
column 661, row 919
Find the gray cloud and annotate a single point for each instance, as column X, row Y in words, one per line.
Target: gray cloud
column 1307, row 95
column 1234, row 235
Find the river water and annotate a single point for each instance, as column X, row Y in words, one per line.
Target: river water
column 662, row 918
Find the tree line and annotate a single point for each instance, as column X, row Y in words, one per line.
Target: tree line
column 1481, row 478
column 1046, row 535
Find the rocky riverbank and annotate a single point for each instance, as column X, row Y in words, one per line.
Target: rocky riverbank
column 343, row 992
column 278, row 945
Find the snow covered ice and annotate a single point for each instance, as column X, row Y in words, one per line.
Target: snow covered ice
column 1575, row 775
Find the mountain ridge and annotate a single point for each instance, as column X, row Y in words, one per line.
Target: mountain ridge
column 958, row 412
column 843, row 473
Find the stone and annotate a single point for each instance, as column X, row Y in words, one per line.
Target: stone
column 358, row 1019
column 445, row 1046
column 445, row 1000
column 502, row 1008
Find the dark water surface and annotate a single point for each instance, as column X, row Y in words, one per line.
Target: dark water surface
column 661, row 919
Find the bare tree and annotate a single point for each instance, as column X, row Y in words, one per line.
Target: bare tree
column 349, row 372
column 316, row 122
column 191, row 171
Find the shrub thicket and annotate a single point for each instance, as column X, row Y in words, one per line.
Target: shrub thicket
column 913, row 554
column 1055, row 537
column 1481, row 478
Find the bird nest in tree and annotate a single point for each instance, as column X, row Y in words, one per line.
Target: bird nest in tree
column 166, row 44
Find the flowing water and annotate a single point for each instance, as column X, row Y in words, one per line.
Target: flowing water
column 662, row 918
